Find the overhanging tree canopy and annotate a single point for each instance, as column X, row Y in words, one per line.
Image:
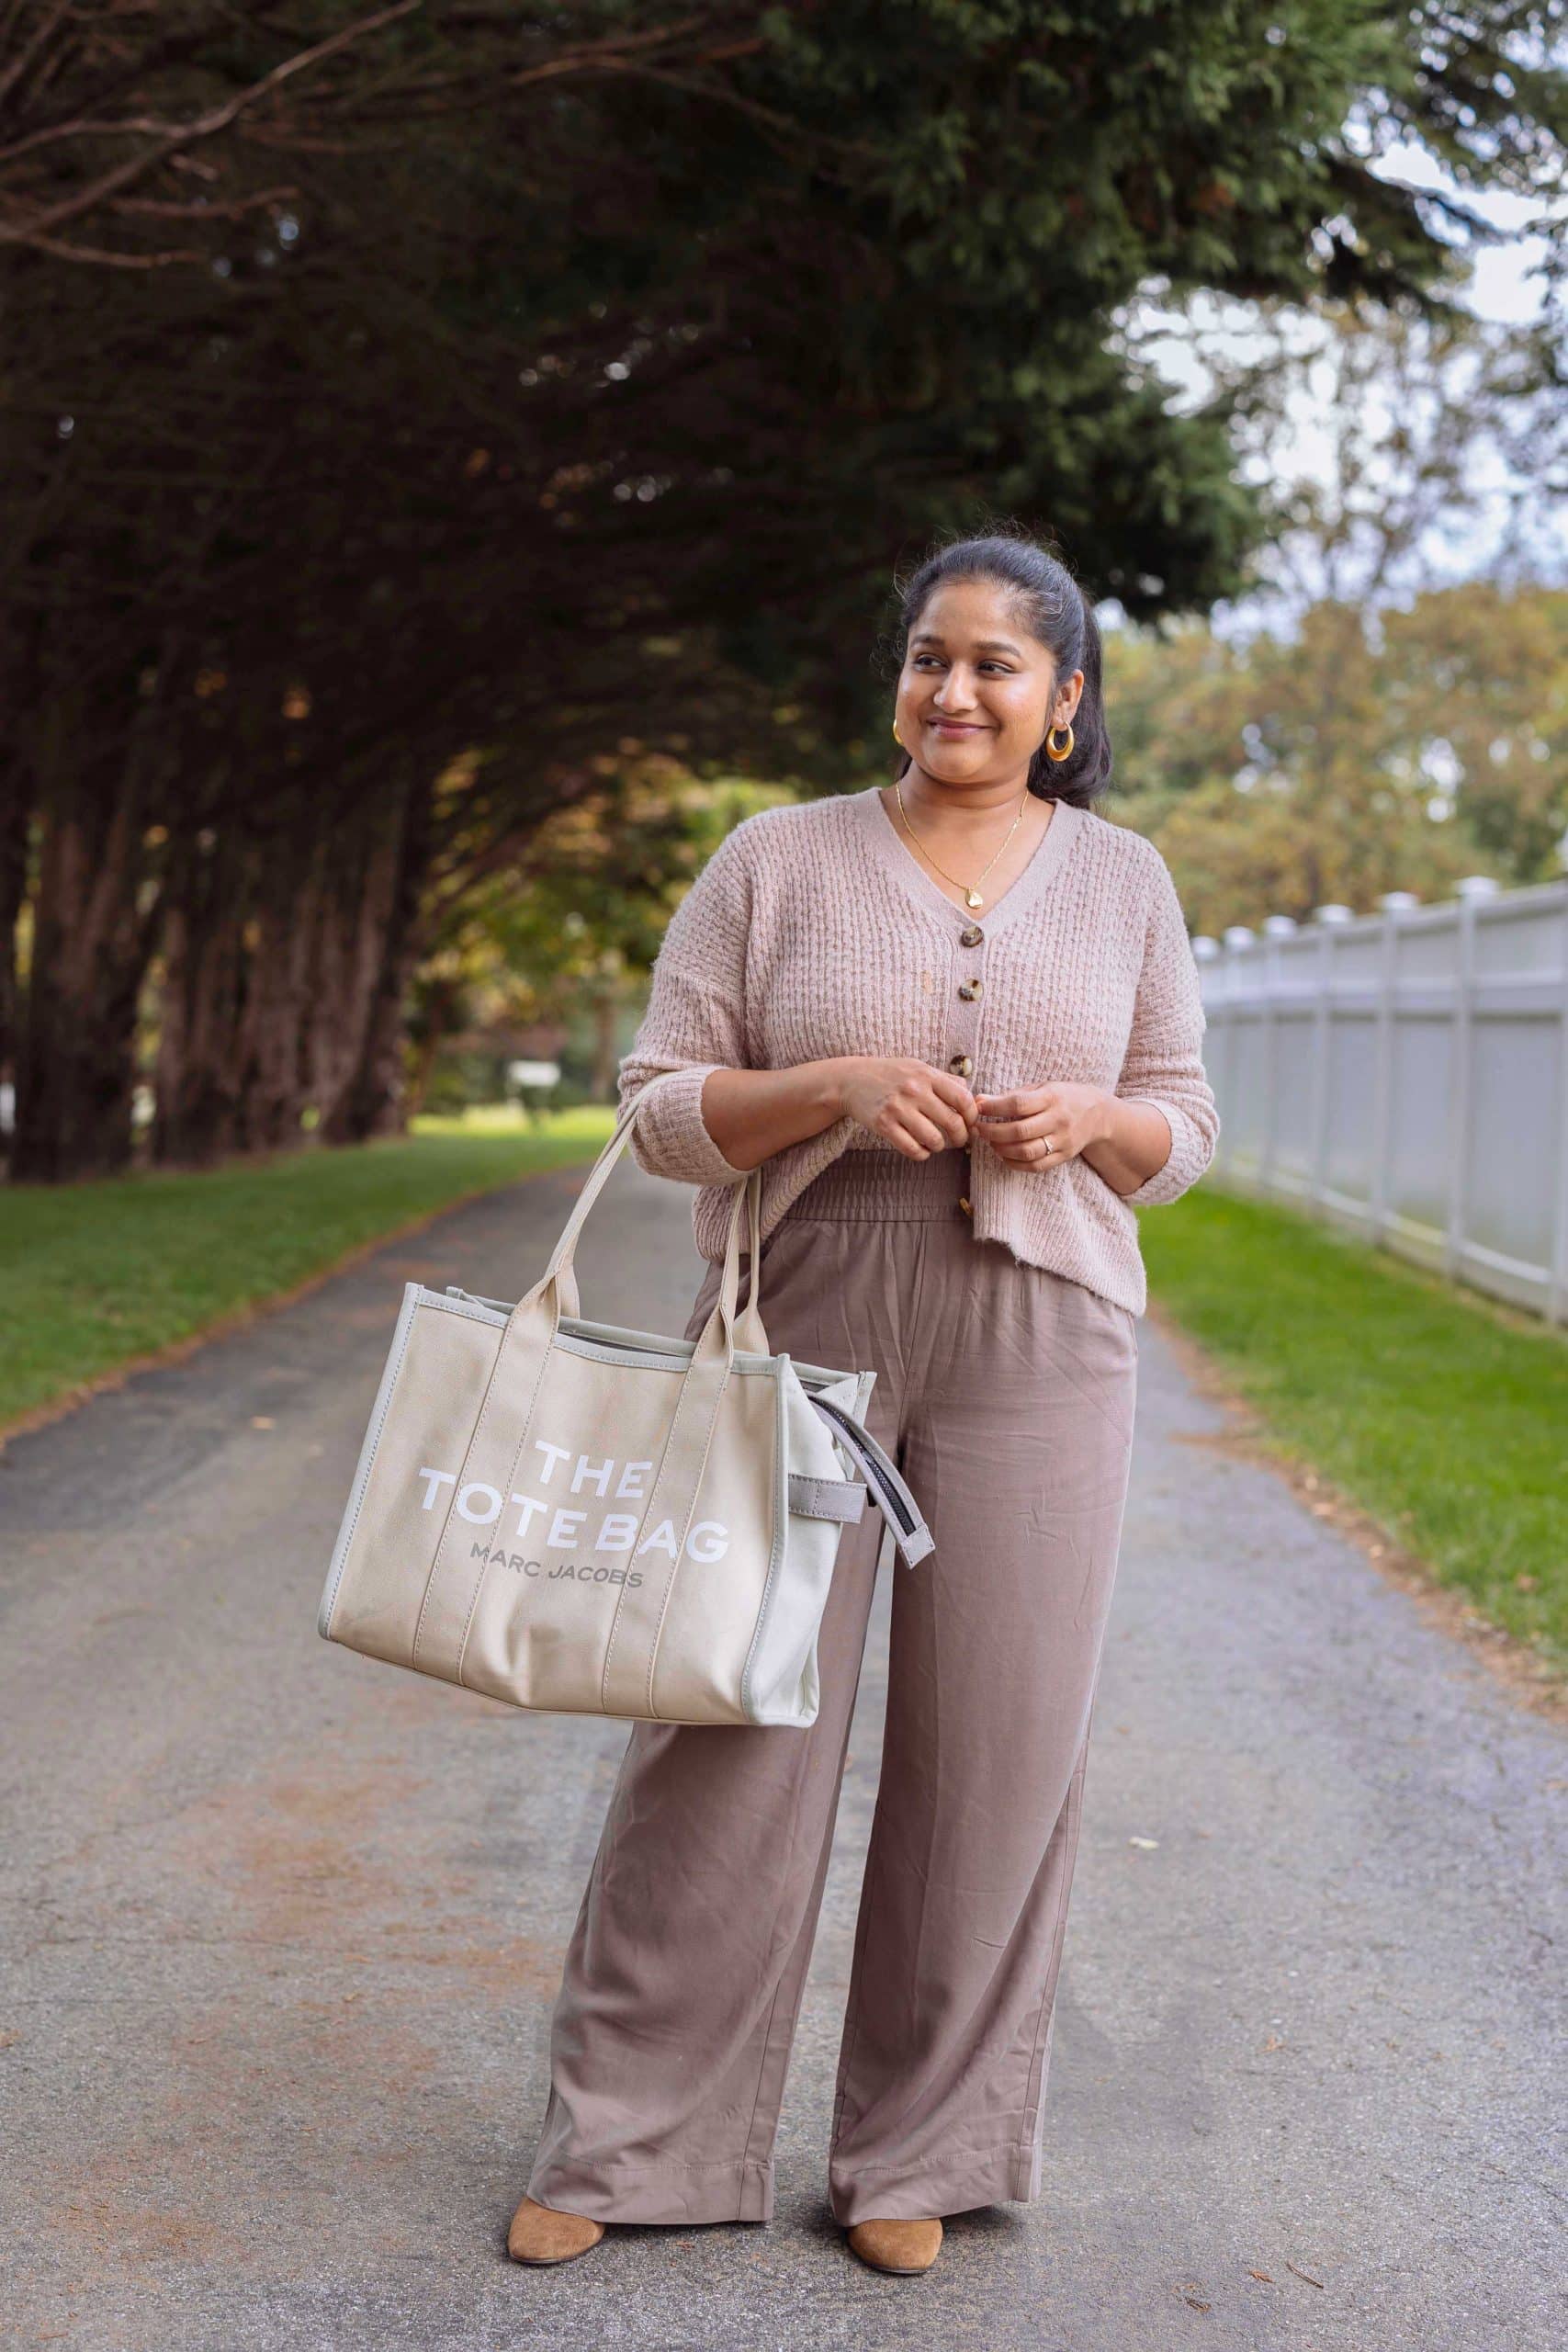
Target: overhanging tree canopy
column 441, row 385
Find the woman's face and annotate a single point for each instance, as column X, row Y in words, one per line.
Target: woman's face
column 977, row 691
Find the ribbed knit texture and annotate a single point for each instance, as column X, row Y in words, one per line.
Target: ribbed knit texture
column 814, row 932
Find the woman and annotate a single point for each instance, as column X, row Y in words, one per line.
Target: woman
column 958, row 1022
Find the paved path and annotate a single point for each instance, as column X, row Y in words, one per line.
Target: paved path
column 286, row 1923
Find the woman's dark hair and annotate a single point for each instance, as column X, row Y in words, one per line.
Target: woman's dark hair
column 1054, row 609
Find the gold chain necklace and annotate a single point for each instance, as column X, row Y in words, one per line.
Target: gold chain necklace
column 971, row 889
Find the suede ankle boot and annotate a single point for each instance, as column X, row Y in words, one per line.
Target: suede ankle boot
column 898, row 2246
column 540, row 2233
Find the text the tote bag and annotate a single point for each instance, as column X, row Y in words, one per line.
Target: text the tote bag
column 581, row 1517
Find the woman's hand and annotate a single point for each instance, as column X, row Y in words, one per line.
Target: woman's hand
column 1042, row 1126
column 916, row 1108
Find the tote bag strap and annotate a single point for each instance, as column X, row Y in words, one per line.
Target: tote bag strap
column 751, row 1336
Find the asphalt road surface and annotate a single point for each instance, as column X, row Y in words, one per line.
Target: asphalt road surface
column 283, row 1925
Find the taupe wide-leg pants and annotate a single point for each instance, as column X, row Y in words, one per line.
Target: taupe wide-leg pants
column 1005, row 1393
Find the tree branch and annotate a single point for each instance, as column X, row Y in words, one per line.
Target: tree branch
column 33, row 230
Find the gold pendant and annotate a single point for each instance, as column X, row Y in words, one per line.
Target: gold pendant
column 973, row 899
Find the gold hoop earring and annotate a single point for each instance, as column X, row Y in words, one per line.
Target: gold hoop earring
column 1050, row 751
column 897, row 737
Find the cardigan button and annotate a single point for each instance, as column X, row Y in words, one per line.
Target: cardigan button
column 963, row 1065
column 964, row 1205
column 971, row 935
column 968, row 988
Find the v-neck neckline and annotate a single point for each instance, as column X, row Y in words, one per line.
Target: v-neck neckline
column 1023, row 892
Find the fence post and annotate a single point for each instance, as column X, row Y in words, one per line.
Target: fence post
column 1238, row 935
column 1557, row 1278
column 1329, row 916
column 1271, row 966
column 1468, row 890
column 1207, row 952
column 1393, row 903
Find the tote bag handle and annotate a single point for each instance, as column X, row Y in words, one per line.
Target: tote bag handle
column 750, row 1335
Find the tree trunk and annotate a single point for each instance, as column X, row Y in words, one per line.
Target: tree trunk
column 294, row 899
column 198, row 1083
column 14, row 816
column 368, row 1101
column 284, row 953
column 75, row 1068
column 95, row 911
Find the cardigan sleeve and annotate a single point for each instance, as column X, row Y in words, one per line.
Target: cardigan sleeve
column 695, row 1022
column 1164, row 1063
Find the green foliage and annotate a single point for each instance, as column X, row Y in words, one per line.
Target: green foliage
column 1339, row 762
column 555, row 359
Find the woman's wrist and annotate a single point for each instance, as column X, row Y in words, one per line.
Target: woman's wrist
column 836, row 1075
column 751, row 1113
column 1134, row 1141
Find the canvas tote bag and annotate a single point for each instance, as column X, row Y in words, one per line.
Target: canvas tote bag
column 587, row 1518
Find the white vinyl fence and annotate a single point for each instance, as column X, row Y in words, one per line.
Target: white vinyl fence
column 1405, row 1073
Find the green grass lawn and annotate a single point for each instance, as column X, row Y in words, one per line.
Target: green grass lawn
column 1442, row 1415
column 93, row 1274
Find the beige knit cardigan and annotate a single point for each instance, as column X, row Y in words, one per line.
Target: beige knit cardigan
column 813, row 930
